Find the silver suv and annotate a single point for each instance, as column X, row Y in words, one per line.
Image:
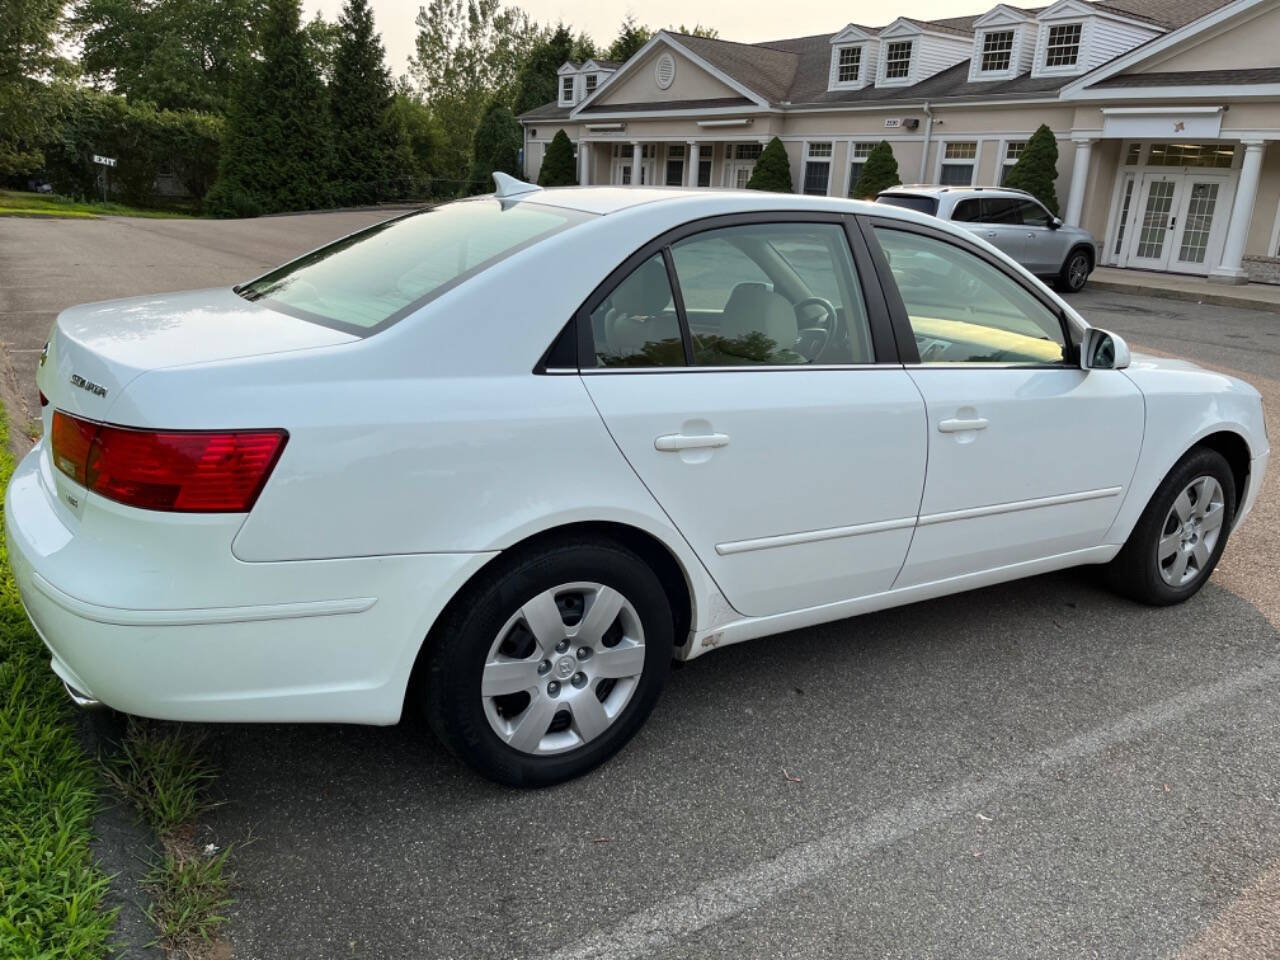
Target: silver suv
column 1012, row 220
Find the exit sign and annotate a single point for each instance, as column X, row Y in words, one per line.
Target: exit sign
column 104, row 161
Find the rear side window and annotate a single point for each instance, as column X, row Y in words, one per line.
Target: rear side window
column 911, row 201
column 637, row 325
column 967, row 211
column 369, row 280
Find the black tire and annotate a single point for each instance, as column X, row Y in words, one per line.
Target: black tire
column 1136, row 571
column 460, row 645
column 1075, row 271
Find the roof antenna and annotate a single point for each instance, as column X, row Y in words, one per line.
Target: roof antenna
column 509, row 186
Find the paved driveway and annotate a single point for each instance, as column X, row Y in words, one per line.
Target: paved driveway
column 1033, row 770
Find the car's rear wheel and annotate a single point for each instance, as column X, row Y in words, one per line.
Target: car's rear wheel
column 1182, row 533
column 550, row 664
column 1074, row 272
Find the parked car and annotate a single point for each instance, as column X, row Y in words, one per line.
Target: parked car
column 502, row 460
column 1012, row 220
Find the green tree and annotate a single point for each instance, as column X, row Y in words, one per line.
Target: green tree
column 1037, row 169
column 536, row 80
column 880, row 172
column 419, row 136
column 27, row 56
column 497, row 147
column 558, row 166
column 631, row 37
column 277, row 154
column 360, row 100
column 697, row 30
column 323, row 39
column 773, row 169
column 468, row 54
column 177, row 54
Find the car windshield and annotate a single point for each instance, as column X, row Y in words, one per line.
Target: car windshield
column 912, row 201
column 369, row 280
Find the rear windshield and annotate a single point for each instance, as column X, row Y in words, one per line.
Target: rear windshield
column 369, row 280
column 911, row 201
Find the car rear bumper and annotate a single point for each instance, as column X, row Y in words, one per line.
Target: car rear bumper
column 323, row 640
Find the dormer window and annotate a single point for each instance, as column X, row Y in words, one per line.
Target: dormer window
column 592, row 79
column 997, row 51
column 848, row 64
column 566, row 89
column 897, row 59
column 1063, row 46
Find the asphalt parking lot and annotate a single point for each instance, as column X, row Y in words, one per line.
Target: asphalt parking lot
column 1033, row 770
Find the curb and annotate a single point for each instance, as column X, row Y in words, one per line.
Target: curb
column 1224, row 299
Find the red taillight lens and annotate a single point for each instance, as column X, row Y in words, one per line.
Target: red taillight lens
column 191, row 471
column 44, row 401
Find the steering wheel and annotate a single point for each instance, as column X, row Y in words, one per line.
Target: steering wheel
column 816, row 332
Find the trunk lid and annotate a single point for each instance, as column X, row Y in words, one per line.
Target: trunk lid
column 97, row 349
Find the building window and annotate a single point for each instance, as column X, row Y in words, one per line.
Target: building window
column 566, row 89
column 1063, row 48
column 747, row 151
column 848, row 64
column 1134, row 155
column 858, row 153
column 592, row 79
column 817, row 169
column 1220, row 155
column 958, row 161
column 897, row 60
column 997, row 51
column 1012, row 151
column 675, row 165
column 704, row 166
column 1124, row 215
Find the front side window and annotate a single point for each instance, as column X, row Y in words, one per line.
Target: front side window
column 849, row 66
column 1063, row 48
column 958, row 161
column 964, row 310
column 772, row 294
column 367, row 281
column 997, row 51
column 637, row 325
column 897, row 60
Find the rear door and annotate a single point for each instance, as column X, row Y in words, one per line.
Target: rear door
column 775, row 430
column 1002, row 227
column 1029, row 456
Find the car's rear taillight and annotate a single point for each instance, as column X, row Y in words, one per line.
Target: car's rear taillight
column 189, row 471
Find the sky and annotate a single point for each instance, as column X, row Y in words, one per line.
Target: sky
column 749, row 22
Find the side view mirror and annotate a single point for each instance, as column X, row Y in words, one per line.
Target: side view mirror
column 1055, row 223
column 1103, row 350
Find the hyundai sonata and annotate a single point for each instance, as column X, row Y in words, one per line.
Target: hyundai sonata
column 505, row 459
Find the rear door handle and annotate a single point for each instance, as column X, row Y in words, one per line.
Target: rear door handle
column 992, row 234
column 957, row 426
column 679, row 441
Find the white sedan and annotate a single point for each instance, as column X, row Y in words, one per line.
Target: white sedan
column 503, row 460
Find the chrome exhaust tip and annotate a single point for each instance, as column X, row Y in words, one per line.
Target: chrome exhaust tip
column 83, row 701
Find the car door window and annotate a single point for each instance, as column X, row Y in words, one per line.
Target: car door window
column 967, row 211
column 1001, row 210
column 964, row 310
column 772, row 294
column 636, row 325
column 1031, row 214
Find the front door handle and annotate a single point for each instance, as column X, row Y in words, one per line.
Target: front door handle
column 679, row 441
column 958, row 426
column 992, row 234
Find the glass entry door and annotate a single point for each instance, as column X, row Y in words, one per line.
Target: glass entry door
column 1177, row 223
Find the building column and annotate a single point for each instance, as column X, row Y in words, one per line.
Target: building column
column 691, row 160
column 1231, row 269
column 584, row 157
column 637, row 158
column 1079, row 177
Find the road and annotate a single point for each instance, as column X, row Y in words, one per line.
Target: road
column 1034, row 770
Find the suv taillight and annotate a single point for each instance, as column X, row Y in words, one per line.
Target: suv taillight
column 185, row 471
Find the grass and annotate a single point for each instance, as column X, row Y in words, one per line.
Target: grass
column 51, row 890
column 16, row 203
column 189, row 890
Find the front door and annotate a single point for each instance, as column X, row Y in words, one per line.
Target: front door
column 1029, row 456
column 1179, row 221
column 792, row 465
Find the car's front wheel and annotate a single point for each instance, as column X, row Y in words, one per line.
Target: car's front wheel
column 1182, row 533
column 1074, row 272
column 551, row 663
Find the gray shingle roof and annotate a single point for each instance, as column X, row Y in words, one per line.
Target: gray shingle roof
column 767, row 71
column 1191, row 78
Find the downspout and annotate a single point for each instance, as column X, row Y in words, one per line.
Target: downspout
column 928, row 131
